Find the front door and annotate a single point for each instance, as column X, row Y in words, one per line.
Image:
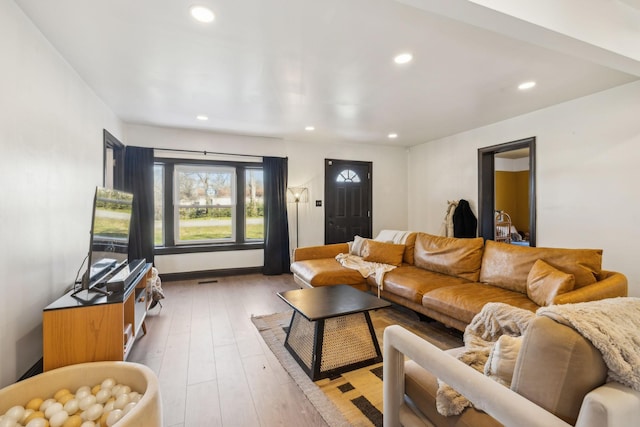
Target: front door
column 347, row 195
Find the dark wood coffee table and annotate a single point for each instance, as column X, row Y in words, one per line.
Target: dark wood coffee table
column 331, row 330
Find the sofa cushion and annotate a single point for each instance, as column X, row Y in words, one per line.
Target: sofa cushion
column 508, row 266
column 421, row 386
column 326, row 271
column 355, row 247
column 502, row 359
column 557, row 367
column 449, row 255
column 412, row 282
column 544, row 283
column 409, row 249
column 464, row 301
column 386, row 253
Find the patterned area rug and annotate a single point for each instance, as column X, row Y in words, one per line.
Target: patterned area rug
column 353, row 398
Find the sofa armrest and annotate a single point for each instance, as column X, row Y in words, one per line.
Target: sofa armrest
column 611, row 285
column 611, row 405
column 500, row 402
column 318, row 252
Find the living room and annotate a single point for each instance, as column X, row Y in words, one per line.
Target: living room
column 51, row 131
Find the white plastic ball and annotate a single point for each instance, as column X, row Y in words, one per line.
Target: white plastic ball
column 6, row 421
column 121, row 401
column 58, row 419
column 124, row 389
column 114, row 417
column 46, row 404
column 115, row 389
column 86, row 401
column 134, row 396
column 83, row 391
column 103, row 395
column 15, row 413
column 88, row 424
column 93, row 412
column 108, row 383
column 53, row 409
column 72, row 406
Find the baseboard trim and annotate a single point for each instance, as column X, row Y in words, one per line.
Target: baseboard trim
column 36, row 369
column 193, row 275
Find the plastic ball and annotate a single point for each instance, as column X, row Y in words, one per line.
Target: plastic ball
column 72, row 406
column 38, row 422
column 15, row 413
column 114, row 417
column 34, row 404
column 103, row 395
column 61, row 393
column 93, row 412
column 87, row 401
column 73, row 421
column 34, row 415
column 58, row 419
column 53, row 409
column 46, row 404
column 108, row 383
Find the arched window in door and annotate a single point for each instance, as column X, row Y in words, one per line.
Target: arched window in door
column 347, row 175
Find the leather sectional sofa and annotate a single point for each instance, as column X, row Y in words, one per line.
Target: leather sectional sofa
column 450, row 279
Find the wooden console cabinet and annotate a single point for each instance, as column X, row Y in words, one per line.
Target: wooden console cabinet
column 91, row 327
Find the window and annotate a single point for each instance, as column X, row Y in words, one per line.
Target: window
column 204, row 203
column 347, row 175
column 208, row 206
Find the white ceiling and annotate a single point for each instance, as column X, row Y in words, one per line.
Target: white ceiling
column 273, row 67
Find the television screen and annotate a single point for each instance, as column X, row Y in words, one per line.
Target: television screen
column 110, row 230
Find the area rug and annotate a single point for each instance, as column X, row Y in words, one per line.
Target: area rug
column 353, row 398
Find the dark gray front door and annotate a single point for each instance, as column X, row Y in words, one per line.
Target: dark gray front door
column 347, row 195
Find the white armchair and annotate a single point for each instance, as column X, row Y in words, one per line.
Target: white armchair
column 607, row 405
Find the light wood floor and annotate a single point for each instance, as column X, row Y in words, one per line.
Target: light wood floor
column 213, row 367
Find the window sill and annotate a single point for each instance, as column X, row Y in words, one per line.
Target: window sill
column 220, row 247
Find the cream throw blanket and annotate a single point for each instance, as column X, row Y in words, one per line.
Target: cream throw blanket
column 494, row 320
column 612, row 325
column 366, row 268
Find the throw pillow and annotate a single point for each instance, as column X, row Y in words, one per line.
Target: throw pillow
column 386, row 253
column 355, row 248
column 502, row 359
column 545, row 282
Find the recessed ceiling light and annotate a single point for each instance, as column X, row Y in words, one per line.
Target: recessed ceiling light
column 309, row 128
column 202, row 14
column 392, row 135
column 202, row 117
column 403, row 58
column 526, row 85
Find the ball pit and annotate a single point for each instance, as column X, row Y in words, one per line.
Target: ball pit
column 32, row 398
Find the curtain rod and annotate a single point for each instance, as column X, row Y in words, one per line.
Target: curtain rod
column 205, row 152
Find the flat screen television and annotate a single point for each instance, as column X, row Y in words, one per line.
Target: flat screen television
column 109, row 237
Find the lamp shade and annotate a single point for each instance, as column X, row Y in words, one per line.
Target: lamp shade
column 297, row 195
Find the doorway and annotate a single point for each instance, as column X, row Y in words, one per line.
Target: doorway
column 487, row 185
column 347, row 195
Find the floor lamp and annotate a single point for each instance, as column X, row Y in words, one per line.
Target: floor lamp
column 297, row 195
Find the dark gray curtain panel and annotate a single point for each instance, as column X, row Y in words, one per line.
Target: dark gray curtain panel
column 276, row 236
column 138, row 180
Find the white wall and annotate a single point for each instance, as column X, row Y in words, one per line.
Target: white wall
column 588, row 152
column 51, row 136
column 306, row 168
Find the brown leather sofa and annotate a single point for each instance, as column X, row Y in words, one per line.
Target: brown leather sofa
column 450, row 279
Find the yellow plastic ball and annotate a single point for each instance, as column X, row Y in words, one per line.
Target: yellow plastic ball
column 34, row 404
column 73, row 421
column 61, row 393
column 96, row 388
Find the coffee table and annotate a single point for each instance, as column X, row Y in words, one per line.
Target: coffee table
column 331, row 330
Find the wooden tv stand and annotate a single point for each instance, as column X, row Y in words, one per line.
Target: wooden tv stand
column 91, row 327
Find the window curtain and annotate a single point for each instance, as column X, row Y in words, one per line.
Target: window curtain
column 276, row 236
column 138, row 179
